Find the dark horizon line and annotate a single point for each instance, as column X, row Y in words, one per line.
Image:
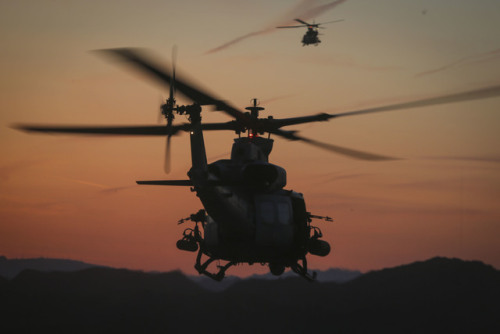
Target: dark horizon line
column 5, row 258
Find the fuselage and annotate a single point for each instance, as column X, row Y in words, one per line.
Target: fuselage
column 311, row 37
column 251, row 217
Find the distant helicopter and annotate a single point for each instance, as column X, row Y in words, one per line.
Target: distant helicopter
column 311, row 35
column 248, row 216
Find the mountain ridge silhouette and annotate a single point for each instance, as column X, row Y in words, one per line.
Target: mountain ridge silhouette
column 434, row 296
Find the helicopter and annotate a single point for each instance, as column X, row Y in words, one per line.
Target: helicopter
column 311, row 35
column 248, row 216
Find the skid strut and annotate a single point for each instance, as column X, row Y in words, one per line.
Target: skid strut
column 301, row 269
column 193, row 241
column 202, row 268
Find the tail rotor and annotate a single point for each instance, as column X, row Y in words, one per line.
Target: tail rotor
column 167, row 110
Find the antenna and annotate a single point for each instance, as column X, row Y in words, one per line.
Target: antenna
column 254, row 110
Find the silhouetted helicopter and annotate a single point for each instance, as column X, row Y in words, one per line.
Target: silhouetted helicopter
column 311, row 35
column 248, row 216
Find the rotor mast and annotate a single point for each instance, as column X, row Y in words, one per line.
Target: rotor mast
column 254, row 113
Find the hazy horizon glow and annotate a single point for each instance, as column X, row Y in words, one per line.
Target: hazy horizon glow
column 76, row 197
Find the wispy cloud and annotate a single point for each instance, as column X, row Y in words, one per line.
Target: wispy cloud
column 7, row 170
column 15, row 204
column 116, row 189
column 306, row 9
column 105, row 189
column 92, row 184
column 470, row 60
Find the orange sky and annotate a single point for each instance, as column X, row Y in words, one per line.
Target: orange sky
column 75, row 197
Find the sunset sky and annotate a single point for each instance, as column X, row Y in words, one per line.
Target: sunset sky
column 75, row 196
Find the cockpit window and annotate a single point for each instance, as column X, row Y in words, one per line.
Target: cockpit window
column 283, row 213
column 267, row 212
column 275, row 212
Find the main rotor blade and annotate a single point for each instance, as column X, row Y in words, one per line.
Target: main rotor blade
column 141, row 61
column 482, row 93
column 334, row 21
column 174, row 65
column 138, row 59
column 301, row 26
column 153, row 130
column 291, row 135
column 172, row 85
column 303, row 22
column 278, row 123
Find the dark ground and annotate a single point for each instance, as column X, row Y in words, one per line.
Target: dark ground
column 436, row 296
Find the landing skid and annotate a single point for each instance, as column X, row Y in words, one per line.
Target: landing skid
column 302, row 270
column 202, row 268
column 193, row 241
column 192, row 238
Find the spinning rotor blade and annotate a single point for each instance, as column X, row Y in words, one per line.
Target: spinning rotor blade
column 274, row 125
column 150, row 130
column 302, row 25
column 303, row 22
column 291, row 135
column 141, row 61
column 334, row 21
column 138, row 59
column 170, row 115
column 278, row 123
column 482, row 93
column 174, row 65
column 154, row 130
